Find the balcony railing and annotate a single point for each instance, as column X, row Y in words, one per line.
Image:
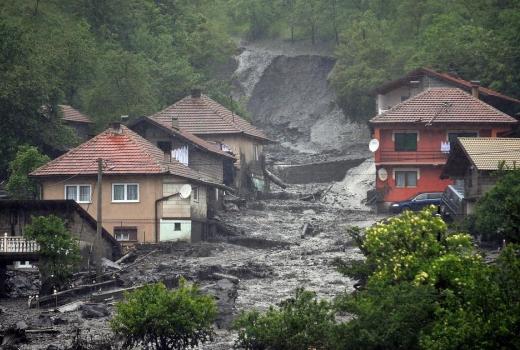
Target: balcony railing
column 17, row 245
column 422, row 156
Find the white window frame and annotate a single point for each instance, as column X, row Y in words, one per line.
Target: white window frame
column 77, row 186
column 122, row 237
column 257, row 152
column 416, row 170
column 125, row 184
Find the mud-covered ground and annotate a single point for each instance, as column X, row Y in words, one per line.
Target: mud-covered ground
column 266, row 252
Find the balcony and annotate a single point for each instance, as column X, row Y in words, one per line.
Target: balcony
column 418, row 157
column 13, row 248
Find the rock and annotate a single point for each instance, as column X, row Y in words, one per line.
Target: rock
column 226, row 277
column 13, row 335
column 163, row 267
column 22, row 283
column 232, row 207
column 93, row 310
column 58, row 321
column 109, row 264
column 309, row 212
column 52, row 347
column 225, row 293
column 21, row 326
column 71, row 306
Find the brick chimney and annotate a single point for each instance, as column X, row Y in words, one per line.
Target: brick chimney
column 475, row 84
column 196, row 93
column 175, row 122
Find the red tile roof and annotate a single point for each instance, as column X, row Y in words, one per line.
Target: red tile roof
column 183, row 134
column 73, row 115
column 124, row 152
column 203, row 116
column 458, row 82
column 443, row 105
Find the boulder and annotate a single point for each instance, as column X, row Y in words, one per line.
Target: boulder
column 94, row 310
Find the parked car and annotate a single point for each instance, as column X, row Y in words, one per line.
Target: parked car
column 417, row 202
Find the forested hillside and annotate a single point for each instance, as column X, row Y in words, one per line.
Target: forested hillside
column 114, row 57
column 105, row 57
column 377, row 40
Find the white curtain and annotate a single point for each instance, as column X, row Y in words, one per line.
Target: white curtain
column 181, row 154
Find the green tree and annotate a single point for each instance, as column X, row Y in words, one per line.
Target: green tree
column 429, row 289
column 155, row 318
column 302, row 322
column 497, row 213
column 27, row 159
column 59, row 250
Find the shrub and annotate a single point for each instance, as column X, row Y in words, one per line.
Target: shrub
column 59, row 250
column 497, row 214
column 155, row 318
column 302, row 322
column 27, row 159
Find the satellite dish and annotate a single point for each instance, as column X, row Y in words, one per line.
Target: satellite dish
column 185, row 191
column 373, row 145
column 382, row 174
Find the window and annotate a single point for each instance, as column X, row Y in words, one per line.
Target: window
column 123, row 233
column 165, row 146
column 406, row 178
column 421, row 197
column 195, row 194
column 79, row 193
column 177, row 226
column 125, row 192
column 435, row 195
column 257, row 152
column 405, row 141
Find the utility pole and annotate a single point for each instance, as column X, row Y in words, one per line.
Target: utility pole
column 99, row 226
column 99, row 197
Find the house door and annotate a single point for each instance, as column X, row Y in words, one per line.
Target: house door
column 175, row 230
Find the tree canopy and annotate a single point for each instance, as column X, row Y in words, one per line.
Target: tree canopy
column 105, row 57
column 376, row 41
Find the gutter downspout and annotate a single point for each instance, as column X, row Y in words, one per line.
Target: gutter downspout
column 157, row 201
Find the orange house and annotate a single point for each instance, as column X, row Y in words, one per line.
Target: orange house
column 414, row 139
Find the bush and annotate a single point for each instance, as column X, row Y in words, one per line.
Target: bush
column 155, row 318
column 27, row 159
column 59, row 250
column 302, row 322
column 497, row 214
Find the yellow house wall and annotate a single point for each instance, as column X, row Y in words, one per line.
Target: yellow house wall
column 139, row 214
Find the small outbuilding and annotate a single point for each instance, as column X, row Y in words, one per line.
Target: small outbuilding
column 473, row 163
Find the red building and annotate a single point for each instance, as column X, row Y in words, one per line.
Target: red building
column 414, row 138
